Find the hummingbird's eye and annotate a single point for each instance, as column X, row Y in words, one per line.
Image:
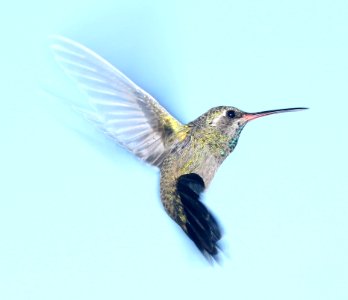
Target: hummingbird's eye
column 231, row 114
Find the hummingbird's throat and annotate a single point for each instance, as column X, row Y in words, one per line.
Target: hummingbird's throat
column 232, row 143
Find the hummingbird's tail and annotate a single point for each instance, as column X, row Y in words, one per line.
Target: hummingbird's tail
column 201, row 226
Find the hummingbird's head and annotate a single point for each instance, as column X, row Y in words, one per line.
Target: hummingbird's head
column 229, row 121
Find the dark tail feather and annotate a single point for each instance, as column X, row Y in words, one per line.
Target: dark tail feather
column 202, row 227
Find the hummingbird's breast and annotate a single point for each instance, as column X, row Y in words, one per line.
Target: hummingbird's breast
column 198, row 153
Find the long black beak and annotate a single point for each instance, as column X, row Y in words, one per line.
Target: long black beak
column 252, row 116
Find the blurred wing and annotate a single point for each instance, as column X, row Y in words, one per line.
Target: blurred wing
column 201, row 226
column 121, row 109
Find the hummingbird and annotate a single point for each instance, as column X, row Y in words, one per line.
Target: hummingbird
column 187, row 155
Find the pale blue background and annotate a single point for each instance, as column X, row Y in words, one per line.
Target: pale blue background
column 81, row 219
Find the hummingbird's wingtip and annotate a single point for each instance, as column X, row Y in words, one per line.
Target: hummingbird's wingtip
column 55, row 38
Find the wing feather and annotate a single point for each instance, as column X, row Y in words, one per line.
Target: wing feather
column 120, row 108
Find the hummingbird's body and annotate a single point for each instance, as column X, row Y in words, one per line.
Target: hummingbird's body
column 188, row 156
column 200, row 151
